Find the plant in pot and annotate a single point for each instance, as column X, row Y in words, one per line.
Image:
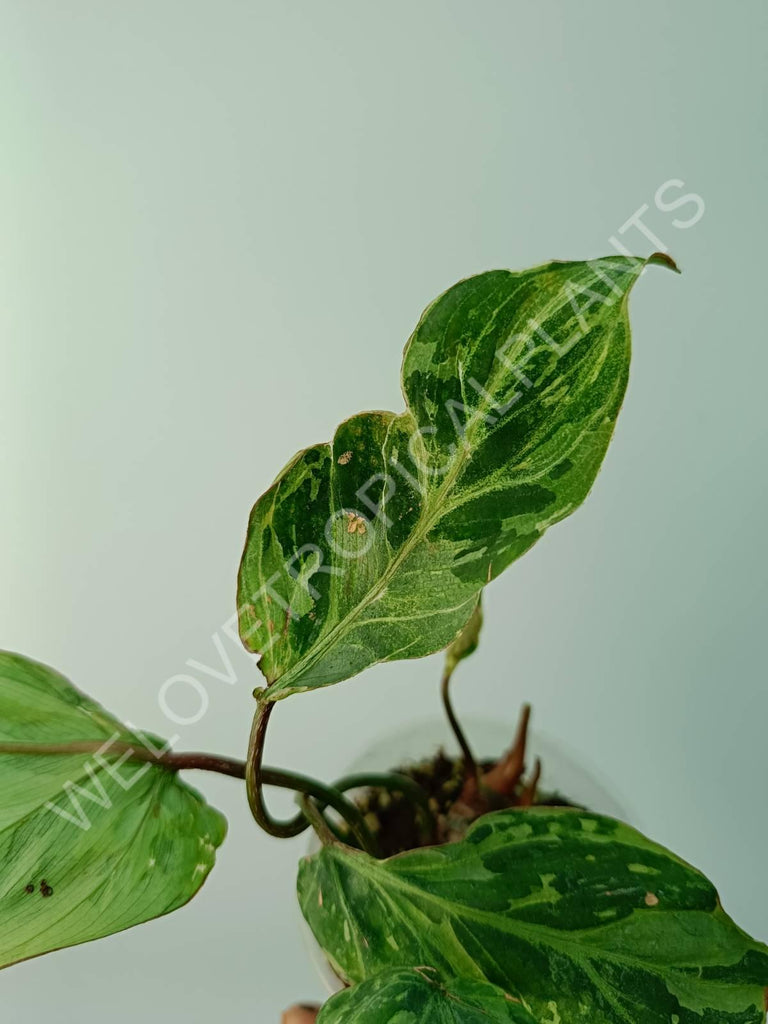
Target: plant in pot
column 452, row 889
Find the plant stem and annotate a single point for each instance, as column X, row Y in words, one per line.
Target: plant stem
column 470, row 764
column 214, row 763
column 395, row 782
column 256, row 777
column 166, row 759
column 326, row 796
column 314, row 816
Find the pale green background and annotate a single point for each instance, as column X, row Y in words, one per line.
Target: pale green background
column 219, row 223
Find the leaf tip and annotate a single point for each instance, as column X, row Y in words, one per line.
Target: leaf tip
column 662, row 259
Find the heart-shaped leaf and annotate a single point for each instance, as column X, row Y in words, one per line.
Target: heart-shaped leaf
column 90, row 843
column 375, row 547
column 417, row 995
column 580, row 917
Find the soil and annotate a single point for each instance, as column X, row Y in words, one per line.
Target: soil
column 395, row 820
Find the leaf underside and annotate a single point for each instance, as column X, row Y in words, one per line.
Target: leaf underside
column 417, row 995
column 376, row 546
column 115, row 843
column 579, row 916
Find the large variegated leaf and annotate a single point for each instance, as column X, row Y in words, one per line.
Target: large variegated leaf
column 418, row 996
column 375, row 547
column 90, row 843
column 579, row 916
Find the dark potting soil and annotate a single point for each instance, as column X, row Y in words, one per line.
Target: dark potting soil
column 395, row 820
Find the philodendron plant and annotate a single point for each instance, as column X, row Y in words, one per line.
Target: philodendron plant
column 449, row 890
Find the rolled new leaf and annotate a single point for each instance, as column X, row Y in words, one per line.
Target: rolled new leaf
column 580, row 917
column 376, row 546
column 90, row 842
column 417, row 995
column 466, row 641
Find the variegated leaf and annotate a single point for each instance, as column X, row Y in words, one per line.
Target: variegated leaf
column 418, row 996
column 375, row 547
column 89, row 843
column 582, row 918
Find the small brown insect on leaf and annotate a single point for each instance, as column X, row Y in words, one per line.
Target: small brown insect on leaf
column 344, row 458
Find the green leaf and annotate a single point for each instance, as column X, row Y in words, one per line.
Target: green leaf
column 416, row 995
column 376, row 546
column 115, row 842
column 579, row 916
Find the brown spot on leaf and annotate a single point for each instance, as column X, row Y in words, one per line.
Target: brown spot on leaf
column 29, row 888
column 355, row 523
column 651, row 899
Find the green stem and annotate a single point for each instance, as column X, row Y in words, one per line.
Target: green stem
column 314, row 817
column 328, row 796
column 470, row 764
column 398, row 783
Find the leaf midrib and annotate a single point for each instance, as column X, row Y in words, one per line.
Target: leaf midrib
column 430, row 514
